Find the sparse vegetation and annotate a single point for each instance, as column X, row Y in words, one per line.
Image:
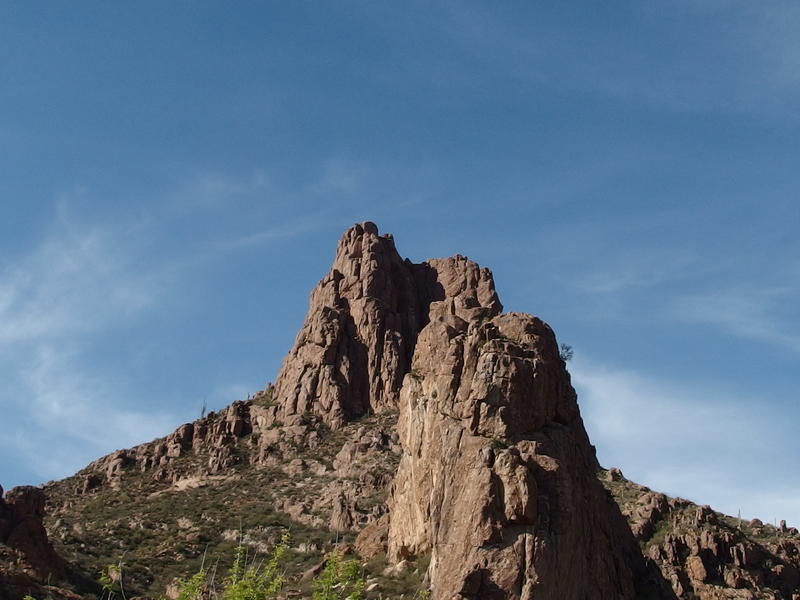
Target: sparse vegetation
column 498, row 444
column 254, row 579
column 566, row 353
column 110, row 579
column 194, row 586
column 265, row 399
column 167, row 532
column 340, row 580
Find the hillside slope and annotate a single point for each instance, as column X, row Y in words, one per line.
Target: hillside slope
column 416, row 424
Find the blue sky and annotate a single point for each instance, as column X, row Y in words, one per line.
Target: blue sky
column 175, row 178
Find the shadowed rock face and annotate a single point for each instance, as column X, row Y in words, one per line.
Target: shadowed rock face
column 22, row 529
column 364, row 317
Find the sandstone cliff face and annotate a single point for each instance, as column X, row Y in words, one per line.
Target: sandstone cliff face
column 497, row 477
column 501, row 523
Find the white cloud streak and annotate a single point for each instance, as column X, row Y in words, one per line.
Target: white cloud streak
column 77, row 282
column 749, row 66
column 699, row 440
column 750, row 313
column 66, row 404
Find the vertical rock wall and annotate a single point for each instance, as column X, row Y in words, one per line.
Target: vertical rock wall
column 497, row 476
column 358, row 337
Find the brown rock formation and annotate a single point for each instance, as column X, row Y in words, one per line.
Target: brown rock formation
column 358, row 338
column 21, row 529
column 497, row 477
column 28, row 563
column 707, row 556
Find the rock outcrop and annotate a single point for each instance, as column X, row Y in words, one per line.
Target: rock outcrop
column 707, row 556
column 497, row 476
column 356, row 344
column 28, row 562
column 22, row 529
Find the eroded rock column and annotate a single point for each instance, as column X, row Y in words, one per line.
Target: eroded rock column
column 497, row 478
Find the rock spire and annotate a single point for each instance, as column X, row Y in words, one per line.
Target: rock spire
column 497, row 476
column 364, row 316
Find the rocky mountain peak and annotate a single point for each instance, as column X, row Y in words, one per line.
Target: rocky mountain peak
column 439, row 436
column 364, row 317
column 493, row 444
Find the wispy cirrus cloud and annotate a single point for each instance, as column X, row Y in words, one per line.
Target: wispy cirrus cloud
column 648, row 269
column 745, row 312
column 73, row 414
column 276, row 233
column 748, row 67
column 214, row 190
column 79, row 281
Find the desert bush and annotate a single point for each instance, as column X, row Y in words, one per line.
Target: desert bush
column 254, row 581
column 193, row 588
column 110, row 580
column 257, row 581
column 339, row 580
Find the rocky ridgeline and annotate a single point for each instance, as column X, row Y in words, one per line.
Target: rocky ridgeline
column 217, row 438
column 412, row 411
column 707, row 555
column 247, row 435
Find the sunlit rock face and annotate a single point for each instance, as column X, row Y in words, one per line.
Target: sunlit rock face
column 497, row 477
column 359, row 335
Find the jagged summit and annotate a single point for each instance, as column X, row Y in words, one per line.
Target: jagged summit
column 365, row 315
column 430, row 339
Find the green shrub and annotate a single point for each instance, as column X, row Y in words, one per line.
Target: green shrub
column 498, row 444
column 340, row 580
column 256, row 581
column 193, row 588
column 110, row 579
